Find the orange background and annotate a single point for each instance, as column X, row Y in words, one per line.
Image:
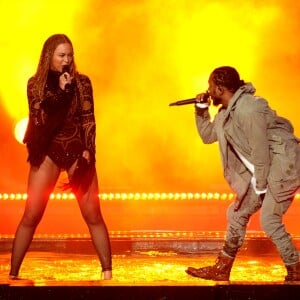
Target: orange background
column 140, row 56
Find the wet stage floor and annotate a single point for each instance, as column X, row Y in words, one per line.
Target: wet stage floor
column 49, row 268
column 145, row 274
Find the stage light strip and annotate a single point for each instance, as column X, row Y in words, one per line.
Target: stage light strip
column 134, row 196
column 141, row 235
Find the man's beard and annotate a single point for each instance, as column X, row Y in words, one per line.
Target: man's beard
column 216, row 101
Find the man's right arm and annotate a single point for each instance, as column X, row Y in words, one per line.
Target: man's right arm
column 205, row 126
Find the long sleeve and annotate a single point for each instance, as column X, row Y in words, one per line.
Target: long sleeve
column 34, row 137
column 81, row 179
column 205, row 126
column 46, row 115
column 88, row 123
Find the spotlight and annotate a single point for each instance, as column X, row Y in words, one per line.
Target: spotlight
column 20, row 129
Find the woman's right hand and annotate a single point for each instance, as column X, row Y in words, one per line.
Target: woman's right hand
column 64, row 79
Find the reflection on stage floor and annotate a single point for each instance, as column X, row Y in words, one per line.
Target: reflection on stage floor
column 155, row 268
column 145, row 266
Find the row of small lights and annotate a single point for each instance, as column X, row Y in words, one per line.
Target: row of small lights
column 130, row 196
column 141, row 235
column 135, row 196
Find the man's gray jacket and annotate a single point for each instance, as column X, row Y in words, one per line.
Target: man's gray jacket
column 249, row 126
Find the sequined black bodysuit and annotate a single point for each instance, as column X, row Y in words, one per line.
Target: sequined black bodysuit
column 62, row 124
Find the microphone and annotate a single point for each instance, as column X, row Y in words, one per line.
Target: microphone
column 184, row 102
column 66, row 69
column 191, row 101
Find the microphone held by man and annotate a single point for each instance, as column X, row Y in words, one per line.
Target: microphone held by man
column 204, row 99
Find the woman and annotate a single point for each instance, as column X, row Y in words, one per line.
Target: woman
column 60, row 136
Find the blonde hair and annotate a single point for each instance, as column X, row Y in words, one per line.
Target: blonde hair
column 43, row 68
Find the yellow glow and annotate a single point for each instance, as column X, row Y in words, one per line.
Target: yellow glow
column 26, row 24
column 142, row 55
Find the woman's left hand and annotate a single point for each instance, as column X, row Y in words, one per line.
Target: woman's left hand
column 86, row 154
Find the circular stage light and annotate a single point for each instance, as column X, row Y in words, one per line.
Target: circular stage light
column 20, row 129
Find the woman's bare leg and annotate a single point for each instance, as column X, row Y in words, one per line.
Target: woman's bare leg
column 90, row 208
column 41, row 182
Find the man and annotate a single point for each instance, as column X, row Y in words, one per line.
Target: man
column 261, row 162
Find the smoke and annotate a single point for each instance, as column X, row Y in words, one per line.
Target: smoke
column 142, row 55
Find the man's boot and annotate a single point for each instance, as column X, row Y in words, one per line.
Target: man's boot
column 219, row 272
column 293, row 272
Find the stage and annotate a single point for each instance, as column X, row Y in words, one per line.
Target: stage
column 154, row 239
column 146, row 265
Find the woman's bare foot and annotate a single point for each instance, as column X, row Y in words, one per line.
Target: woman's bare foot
column 107, row 275
column 16, row 280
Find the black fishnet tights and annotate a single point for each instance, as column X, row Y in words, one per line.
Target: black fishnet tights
column 41, row 182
